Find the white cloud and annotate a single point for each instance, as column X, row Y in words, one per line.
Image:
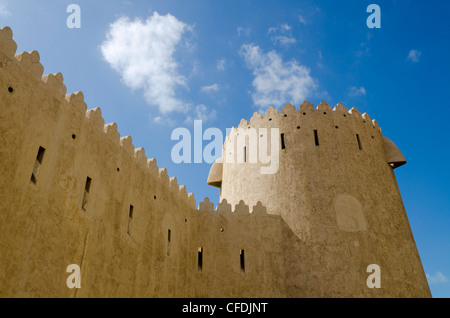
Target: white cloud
column 437, row 278
column 4, row 11
column 320, row 64
column 286, row 27
column 301, row 19
column 283, row 28
column 211, row 88
column 414, row 56
column 283, row 40
column 243, row 31
column 277, row 82
column 357, row 91
column 201, row 112
column 143, row 53
column 163, row 121
column 364, row 47
column 221, row 65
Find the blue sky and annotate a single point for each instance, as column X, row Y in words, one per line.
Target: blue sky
column 211, row 60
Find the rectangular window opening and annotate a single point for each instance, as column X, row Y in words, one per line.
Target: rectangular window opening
column 359, row 142
column 169, row 234
column 242, row 257
column 37, row 165
column 40, row 155
column 316, row 137
column 200, row 259
column 87, row 188
column 283, row 143
column 130, row 217
column 245, row 153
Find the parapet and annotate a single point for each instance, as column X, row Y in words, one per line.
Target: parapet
column 7, row 44
column 225, row 208
column 289, row 115
column 306, row 107
column 54, row 83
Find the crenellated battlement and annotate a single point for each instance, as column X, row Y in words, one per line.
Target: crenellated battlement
column 289, row 116
column 225, row 208
column 307, row 115
column 7, row 44
column 74, row 191
column 290, row 113
column 29, row 62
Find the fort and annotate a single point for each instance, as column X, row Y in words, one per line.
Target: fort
column 73, row 191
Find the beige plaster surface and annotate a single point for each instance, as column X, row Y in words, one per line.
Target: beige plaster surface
column 310, row 230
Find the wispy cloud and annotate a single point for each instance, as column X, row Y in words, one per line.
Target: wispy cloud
column 320, row 64
column 221, row 65
column 364, row 48
column 282, row 28
column 243, row 31
column 275, row 81
column 302, row 19
column 414, row 56
column 357, row 91
column 211, row 88
column 437, row 278
column 143, row 53
column 283, row 40
column 201, row 112
column 286, row 27
column 4, row 11
column 284, row 36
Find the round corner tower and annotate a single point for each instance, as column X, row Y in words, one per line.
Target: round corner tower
column 329, row 173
